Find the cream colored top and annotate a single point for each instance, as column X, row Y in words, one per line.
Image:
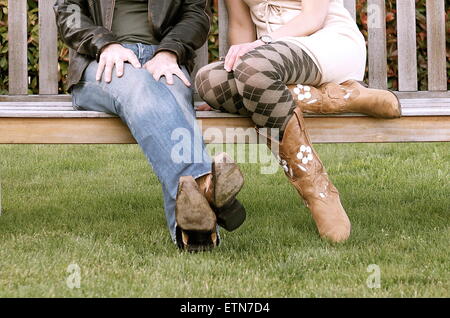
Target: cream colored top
column 338, row 49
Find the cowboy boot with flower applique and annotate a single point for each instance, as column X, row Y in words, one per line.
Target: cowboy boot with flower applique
column 307, row 174
column 348, row 97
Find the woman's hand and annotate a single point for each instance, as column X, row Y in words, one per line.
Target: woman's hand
column 204, row 107
column 165, row 64
column 236, row 51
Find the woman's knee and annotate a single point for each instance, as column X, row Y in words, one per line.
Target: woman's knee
column 208, row 79
column 216, row 86
column 254, row 71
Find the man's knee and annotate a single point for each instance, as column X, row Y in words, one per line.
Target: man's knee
column 182, row 93
column 134, row 78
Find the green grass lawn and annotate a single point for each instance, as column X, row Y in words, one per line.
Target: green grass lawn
column 100, row 207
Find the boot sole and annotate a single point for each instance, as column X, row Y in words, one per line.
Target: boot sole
column 196, row 221
column 228, row 181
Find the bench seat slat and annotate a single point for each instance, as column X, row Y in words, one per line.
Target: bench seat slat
column 43, row 108
column 322, row 130
column 410, row 107
column 52, row 114
column 55, row 109
column 35, row 105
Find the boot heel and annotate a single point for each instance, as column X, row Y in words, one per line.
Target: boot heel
column 231, row 216
column 228, row 179
column 400, row 111
column 195, row 241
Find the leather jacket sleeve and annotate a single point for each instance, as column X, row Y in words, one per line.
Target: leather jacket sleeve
column 191, row 31
column 78, row 30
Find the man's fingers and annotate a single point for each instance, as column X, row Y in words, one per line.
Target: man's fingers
column 156, row 75
column 100, row 68
column 149, row 67
column 183, row 77
column 119, row 68
column 108, row 71
column 169, row 77
column 134, row 60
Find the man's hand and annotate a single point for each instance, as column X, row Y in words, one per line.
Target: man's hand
column 115, row 54
column 165, row 64
column 236, row 51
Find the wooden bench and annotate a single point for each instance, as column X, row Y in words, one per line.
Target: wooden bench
column 48, row 118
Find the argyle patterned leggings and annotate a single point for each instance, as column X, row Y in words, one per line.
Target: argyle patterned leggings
column 257, row 86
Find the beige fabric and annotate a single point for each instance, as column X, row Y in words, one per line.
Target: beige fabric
column 338, row 49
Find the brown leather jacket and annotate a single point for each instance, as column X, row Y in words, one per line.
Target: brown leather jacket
column 181, row 26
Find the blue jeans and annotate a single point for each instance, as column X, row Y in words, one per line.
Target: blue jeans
column 157, row 114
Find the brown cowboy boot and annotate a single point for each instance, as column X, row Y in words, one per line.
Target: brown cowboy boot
column 307, row 174
column 196, row 221
column 348, row 97
column 220, row 189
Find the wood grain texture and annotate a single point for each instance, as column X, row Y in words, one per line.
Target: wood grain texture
column 17, row 50
column 436, row 46
column 18, row 113
column 407, row 48
column 36, row 98
column 223, row 29
column 48, row 49
column 410, row 106
column 219, row 130
column 376, row 20
column 423, row 94
column 64, row 131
